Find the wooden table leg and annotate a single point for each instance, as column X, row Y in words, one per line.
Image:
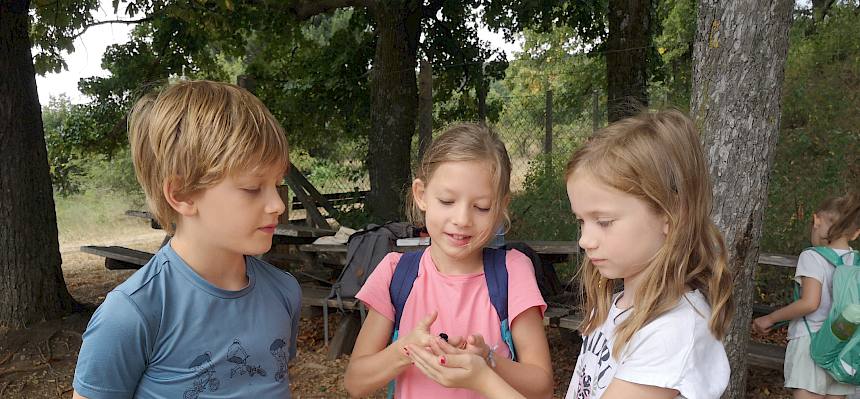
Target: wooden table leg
column 344, row 337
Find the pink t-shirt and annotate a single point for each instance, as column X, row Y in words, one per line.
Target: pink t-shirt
column 464, row 308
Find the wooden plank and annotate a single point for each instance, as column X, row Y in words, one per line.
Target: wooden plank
column 119, row 258
column 766, row 355
column 347, row 197
column 120, row 253
column 553, row 314
column 777, row 260
column 316, row 296
column 316, row 217
column 760, row 355
column 314, row 193
column 295, row 230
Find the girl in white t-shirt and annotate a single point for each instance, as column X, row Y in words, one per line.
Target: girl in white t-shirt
column 834, row 224
column 641, row 192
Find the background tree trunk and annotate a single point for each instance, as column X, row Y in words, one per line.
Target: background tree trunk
column 394, row 102
column 738, row 69
column 31, row 281
column 626, row 52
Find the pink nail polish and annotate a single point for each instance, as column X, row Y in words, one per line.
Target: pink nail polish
column 442, row 360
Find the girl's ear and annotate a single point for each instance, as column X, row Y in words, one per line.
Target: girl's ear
column 418, row 190
column 182, row 203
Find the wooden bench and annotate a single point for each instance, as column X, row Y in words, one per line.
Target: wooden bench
column 335, row 199
column 119, row 258
column 761, row 355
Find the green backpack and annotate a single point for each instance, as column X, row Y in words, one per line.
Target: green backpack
column 840, row 358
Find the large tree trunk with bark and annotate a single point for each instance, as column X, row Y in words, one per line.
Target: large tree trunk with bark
column 626, row 51
column 394, row 103
column 31, row 281
column 738, row 69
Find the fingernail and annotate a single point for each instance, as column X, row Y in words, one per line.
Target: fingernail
column 442, row 360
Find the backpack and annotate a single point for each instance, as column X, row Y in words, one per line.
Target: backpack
column 841, row 359
column 365, row 249
column 495, row 273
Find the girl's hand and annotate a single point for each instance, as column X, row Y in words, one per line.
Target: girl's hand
column 420, row 336
column 763, row 324
column 475, row 344
column 453, row 370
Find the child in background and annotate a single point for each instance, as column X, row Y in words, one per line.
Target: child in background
column 641, row 192
column 460, row 193
column 834, row 224
column 203, row 316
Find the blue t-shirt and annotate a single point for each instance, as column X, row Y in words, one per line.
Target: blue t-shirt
column 168, row 333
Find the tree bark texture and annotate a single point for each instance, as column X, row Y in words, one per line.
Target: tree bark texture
column 31, row 280
column 738, row 70
column 394, row 104
column 626, row 62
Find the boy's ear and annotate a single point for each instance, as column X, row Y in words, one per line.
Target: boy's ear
column 815, row 221
column 418, row 190
column 854, row 236
column 183, row 204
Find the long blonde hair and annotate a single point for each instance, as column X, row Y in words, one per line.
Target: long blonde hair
column 657, row 157
column 468, row 142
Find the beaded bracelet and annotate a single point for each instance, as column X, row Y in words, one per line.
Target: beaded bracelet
column 491, row 356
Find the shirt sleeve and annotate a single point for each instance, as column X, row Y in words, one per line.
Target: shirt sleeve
column 114, row 353
column 374, row 293
column 809, row 264
column 657, row 355
column 523, row 291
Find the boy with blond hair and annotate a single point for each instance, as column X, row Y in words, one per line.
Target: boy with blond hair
column 202, row 317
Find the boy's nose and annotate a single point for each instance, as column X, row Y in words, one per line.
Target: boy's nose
column 276, row 204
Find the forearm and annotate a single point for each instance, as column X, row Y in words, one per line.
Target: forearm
column 794, row 310
column 368, row 373
column 528, row 379
column 493, row 386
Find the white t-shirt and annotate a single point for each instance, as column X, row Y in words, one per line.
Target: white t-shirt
column 811, row 264
column 676, row 351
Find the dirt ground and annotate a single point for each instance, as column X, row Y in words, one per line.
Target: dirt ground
column 39, row 362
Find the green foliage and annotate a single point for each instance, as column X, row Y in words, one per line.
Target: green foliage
column 818, row 154
column 541, row 210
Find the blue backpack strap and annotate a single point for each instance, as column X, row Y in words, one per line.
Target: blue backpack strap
column 399, row 289
column 496, row 274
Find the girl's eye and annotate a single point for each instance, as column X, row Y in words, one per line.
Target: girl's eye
column 604, row 223
column 482, row 209
column 445, row 202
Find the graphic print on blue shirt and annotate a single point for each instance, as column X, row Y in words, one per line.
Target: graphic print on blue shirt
column 277, row 349
column 204, row 376
column 238, row 356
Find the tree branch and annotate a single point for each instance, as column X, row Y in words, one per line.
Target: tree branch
column 308, row 8
column 113, row 21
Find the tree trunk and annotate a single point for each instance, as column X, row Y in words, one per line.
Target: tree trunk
column 394, row 103
column 31, row 281
column 626, row 50
column 739, row 59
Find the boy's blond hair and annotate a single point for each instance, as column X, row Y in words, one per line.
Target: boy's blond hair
column 196, row 133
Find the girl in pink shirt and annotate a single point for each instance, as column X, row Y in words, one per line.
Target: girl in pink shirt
column 460, row 193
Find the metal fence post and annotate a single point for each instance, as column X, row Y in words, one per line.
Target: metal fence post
column 547, row 139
